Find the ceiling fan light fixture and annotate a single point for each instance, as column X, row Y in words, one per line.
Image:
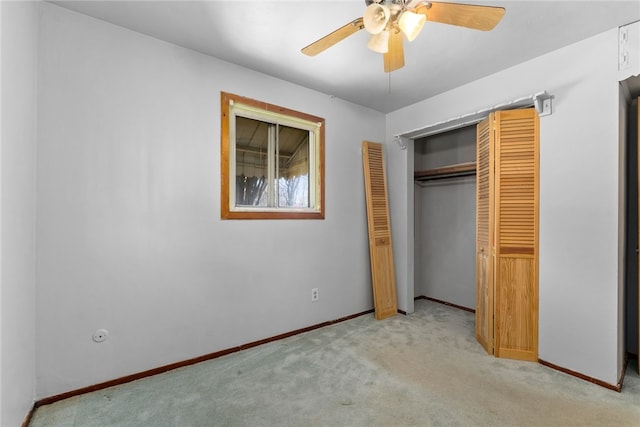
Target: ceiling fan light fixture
column 411, row 24
column 407, row 17
column 375, row 18
column 379, row 42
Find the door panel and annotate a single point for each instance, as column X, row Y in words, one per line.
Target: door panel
column 516, row 225
column 484, row 236
column 380, row 249
column 516, row 328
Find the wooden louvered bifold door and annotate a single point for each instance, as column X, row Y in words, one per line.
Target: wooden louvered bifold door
column 380, row 249
column 484, row 235
column 516, row 226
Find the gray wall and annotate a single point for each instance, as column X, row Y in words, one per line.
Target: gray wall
column 129, row 236
column 18, row 23
column 445, row 220
column 129, row 231
column 579, row 305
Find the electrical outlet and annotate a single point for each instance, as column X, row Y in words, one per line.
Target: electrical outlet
column 314, row 294
column 100, row 335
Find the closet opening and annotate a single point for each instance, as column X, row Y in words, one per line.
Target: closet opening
column 440, row 159
column 445, row 217
column 476, row 237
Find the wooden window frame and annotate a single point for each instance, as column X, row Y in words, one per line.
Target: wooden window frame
column 227, row 206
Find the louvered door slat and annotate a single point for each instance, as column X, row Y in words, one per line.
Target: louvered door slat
column 516, row 210
column 380, row 249
column 484, row 241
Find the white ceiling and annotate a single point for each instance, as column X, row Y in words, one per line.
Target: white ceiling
column 267, row 36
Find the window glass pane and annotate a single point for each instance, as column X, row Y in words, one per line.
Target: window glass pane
column 293, row 167
column 272, row 161
column 252, row 162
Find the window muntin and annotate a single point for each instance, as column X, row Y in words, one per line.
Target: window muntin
column 272, row 161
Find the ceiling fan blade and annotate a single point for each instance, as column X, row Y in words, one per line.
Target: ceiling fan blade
column 332, row 38
column 463, row 15
column 394, row 59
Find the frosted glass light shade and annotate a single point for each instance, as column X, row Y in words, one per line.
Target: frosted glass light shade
column 375, row 18
column 411, row 23
column 379, row 42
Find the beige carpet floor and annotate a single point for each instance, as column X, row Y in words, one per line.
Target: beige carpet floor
column 425, row 369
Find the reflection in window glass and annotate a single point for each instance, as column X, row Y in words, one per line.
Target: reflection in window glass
column 262, row 149
column 252, row 146
column 293, row 168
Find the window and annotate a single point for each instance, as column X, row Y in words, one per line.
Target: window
column 272, row 161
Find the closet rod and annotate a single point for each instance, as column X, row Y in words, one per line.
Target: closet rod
column 452, row 171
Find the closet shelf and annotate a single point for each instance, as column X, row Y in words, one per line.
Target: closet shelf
column 452, row 171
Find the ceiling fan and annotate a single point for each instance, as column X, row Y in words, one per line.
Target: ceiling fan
column 388, row 20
